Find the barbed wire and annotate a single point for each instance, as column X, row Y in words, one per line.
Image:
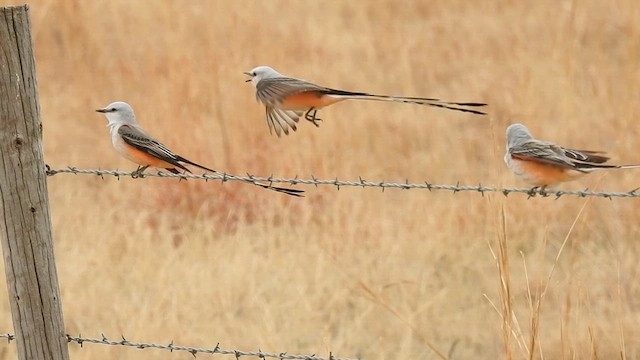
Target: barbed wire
column 360, row 183
column 171, row 347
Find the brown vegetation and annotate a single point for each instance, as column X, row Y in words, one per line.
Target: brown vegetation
column 358, row 272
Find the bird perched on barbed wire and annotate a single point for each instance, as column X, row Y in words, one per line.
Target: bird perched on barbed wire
column 545, row 164
column 287, row 99
column 136, row 145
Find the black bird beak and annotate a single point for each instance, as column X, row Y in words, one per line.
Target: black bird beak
column 248, row 74
column 102, row 110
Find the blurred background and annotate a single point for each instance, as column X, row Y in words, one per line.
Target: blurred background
column 356, row 272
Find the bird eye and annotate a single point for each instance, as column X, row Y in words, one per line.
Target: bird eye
column 112, row 109
column 253, row 73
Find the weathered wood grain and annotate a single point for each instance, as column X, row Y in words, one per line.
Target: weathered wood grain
column 25, row 222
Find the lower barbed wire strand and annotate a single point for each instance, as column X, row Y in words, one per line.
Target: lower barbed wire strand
column 193, row 350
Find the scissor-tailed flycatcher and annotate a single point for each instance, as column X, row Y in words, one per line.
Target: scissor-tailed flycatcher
column 286, row 99
column 134, row 144
column 543, row 164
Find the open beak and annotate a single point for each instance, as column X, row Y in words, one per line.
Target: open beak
column 248, row 74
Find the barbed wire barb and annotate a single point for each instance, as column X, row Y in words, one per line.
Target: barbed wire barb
column 360, row 183
column 8, row 336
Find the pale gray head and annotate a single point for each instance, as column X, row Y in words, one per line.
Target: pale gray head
column 261, row 72
column 517, row 134
column 119, row 113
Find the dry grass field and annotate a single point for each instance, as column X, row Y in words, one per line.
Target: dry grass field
column 356, row 272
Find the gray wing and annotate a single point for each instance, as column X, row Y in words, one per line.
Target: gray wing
column 272, row 91
column 544, row 152
column 142, row 141
column 540, row 151
column 587, row 156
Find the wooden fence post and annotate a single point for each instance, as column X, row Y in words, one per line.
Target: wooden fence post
column 25, row 221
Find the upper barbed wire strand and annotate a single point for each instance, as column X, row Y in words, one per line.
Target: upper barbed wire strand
column 361, row 183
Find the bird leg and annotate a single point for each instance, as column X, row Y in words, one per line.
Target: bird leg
column 310, row 115
column 139, row 171
column 543, row 191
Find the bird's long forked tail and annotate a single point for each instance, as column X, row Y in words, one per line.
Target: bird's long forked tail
column 291, row 192
column 451, row 105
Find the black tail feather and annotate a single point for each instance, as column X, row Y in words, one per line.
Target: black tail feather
column 180, row 158
column 451, row 105
column 176, row 171
column 292, row 192
column 455, row 108
column 581, row 165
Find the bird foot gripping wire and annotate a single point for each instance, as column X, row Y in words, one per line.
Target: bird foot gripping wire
column 538, row 190
column 311, row 116
column 138, row 173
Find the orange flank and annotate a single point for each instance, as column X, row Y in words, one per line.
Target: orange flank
column 544, row 174
column 142, row 158
column 309, row 99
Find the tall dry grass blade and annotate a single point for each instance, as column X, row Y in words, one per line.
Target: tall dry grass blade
column 505, row 288
column 534, row 318
column 377, row 299
column 373, row 296
column 499, row 312
column 594, row 348
column 510, row 325
column 564, row 333
column 623, row 352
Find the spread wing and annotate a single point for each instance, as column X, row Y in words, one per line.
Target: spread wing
column 281, row 120
column 137, row 138
column 271, row 92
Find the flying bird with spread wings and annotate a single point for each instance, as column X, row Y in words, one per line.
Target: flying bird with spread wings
column 286, row 99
